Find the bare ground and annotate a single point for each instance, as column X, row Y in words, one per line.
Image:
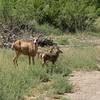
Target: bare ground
column 86, row 86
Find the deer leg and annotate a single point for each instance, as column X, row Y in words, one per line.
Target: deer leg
column 16, row 58
column 43, row 63
column 47, row 67
column 52, row 67
column 53, row 62
column 38, row 54
column 18, row 54
column 33, row 60
column 29, row 60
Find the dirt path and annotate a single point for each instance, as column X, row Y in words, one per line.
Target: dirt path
column 87, row 86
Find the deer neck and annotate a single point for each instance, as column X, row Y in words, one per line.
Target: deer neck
column 36, row 46
column 57, row 54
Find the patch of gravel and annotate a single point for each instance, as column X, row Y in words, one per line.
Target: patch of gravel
column 86, row 86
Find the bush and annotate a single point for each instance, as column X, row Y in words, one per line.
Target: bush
column 67, row 15
column 47, row 29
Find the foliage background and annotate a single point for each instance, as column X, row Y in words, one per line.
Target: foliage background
column 67, row 15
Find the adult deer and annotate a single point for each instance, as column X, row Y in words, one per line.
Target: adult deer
column 25, row 47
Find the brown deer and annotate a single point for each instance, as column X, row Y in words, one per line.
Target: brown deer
column 51, row 56
column 42, row 52
column 25, row 47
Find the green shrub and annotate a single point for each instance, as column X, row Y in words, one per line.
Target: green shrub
column 47, row 29
column 67, row 15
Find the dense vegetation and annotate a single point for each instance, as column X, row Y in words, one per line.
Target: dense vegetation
column 48, row 16
column 66, row 15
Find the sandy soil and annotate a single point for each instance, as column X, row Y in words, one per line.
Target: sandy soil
column 86, row 86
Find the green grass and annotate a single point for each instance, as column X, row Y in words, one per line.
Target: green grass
column 63, row 41
column 15, row 82
column 81, row 58
column 60, row 86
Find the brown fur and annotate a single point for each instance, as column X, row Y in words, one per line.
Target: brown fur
column 42, row 52
column 25, row 47
column 51, row 56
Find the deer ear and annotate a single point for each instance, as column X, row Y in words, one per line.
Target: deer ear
column 60, row 51
column 32, row 35
column 39, row 36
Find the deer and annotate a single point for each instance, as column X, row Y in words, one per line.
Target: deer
column 51, row 56
column 41, row 52
column 26, row 47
